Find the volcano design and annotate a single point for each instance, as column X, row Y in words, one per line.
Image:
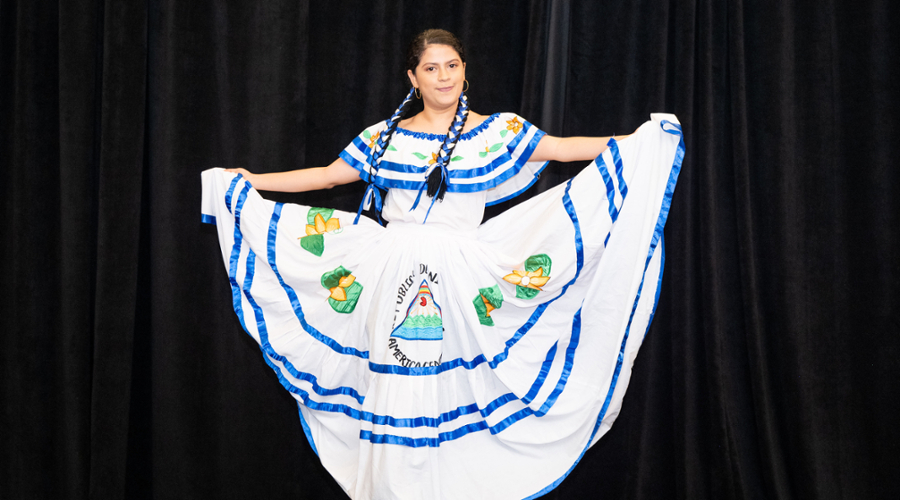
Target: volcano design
column 423, row 318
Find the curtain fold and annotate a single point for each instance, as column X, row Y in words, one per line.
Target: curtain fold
column 770, row 370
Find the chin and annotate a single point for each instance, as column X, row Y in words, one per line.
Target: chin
column 444, row 100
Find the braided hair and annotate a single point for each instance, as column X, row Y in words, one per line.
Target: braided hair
column 384, row 140
column 438, row 177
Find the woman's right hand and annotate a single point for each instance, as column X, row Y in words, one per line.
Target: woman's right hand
column 243, row 171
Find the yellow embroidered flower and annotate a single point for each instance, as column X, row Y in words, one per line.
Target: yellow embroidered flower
column 339, row 292
column 322, row 226
column 433, row 159
column 532, row 279
column 487, row 149
column 515, row 125
column 373, row 140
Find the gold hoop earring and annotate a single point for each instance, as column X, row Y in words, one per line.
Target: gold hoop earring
column 466, row 88
column 418, row 95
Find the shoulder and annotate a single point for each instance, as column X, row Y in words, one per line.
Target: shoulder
column 473, row 121
column 498, row 126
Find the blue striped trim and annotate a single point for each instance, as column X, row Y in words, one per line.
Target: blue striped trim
column 542, row 374
column 471, row 134
column 525, row 328
column 504, row 160
column 617, row 160
column 353, row 162
column 238, row 309
column 537, row 175
column 236, row 251
column 525, row 412
column 341, row 408
column 567, row 367
column 208, row 219
column 230, row 191
column 657, row 236
column 610, row 188
column 267, row 348
column 662, row 265
column 292, row 295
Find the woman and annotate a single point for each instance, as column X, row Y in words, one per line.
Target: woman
column 436, row 358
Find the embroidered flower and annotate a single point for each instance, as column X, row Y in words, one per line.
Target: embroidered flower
column 515, row 125
column 322, row 226
column 528, row 279
column 339, row 292
column 319, row 222
column 373, row 140
column 490, row 149
column 433, row 159
column 343, row 289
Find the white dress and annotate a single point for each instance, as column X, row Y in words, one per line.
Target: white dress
column 451, row 359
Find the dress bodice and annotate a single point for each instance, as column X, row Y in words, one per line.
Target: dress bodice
column 490, row 164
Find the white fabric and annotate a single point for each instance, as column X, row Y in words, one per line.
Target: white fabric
column 492, row 157
column 463, row 416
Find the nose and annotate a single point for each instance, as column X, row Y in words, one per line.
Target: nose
column 443, row 74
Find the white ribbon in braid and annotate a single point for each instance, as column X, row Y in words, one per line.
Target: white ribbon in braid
column 438, row 180
column 384, row 139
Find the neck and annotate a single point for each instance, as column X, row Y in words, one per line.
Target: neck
column 439, row 118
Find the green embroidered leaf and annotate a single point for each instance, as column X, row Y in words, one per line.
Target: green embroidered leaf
column 366, row 134
column 481, row 309
column 495, row 147
column 314, row 244
column 493, row 295
column 391, row 148
column 539, row 261
column 503, row 133
column 347, row 306
column 311, row 215
column 332, row 279
column 526, row 293
column 482, row 153
column 420, row 156
column 456, row 158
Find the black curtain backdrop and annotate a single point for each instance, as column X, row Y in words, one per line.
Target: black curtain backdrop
column 771, row 369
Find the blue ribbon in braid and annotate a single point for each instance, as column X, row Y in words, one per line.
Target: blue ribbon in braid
column 381, row 145
column 444, row 156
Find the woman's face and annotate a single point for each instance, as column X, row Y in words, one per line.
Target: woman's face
column 439, row 76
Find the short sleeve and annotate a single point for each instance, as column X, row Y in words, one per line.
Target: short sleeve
column 356, row 154
column 513, row 172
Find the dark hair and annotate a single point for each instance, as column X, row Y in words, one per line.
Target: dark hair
column 431, row 37
column 438, row 178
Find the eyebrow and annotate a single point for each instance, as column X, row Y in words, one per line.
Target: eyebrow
column 448, row 62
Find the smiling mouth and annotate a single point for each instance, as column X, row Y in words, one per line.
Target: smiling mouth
column 445, row 89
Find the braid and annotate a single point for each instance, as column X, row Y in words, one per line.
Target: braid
column 384, row 139
column 437, row 181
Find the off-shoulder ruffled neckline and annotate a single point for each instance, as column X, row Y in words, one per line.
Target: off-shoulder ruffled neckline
column 440, row 137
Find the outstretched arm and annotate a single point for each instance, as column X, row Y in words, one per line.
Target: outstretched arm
column 570, row 148
column 307, row 179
